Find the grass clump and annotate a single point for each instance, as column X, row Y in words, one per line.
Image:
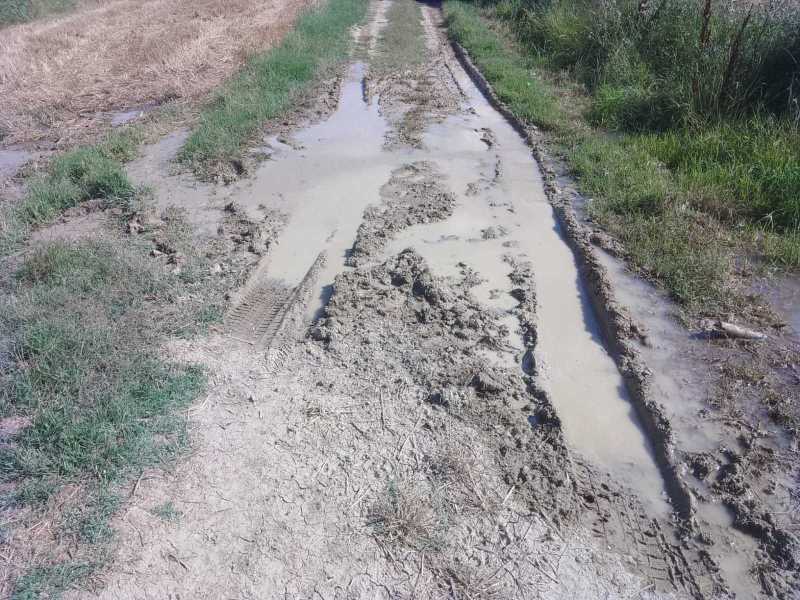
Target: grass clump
column 407, row 515
column 49, row 582
column 271, row 82
column 93, row 172
column 20, row 11
column 86, row 173
column 167, row 512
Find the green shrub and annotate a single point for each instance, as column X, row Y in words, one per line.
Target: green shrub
column 698, row 64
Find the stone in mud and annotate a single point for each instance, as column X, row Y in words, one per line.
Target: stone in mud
column 425, row 286
column 409, row 268
column 492, row 233
column 437, row 398
column 731, row 480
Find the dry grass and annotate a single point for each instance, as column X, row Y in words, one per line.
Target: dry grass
column 58, row 76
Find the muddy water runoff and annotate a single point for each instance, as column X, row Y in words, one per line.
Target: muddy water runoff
column 330, row 172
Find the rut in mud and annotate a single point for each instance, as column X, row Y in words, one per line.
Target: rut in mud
column 411, row 395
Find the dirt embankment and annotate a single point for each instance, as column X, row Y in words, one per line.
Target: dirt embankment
column 65, row 78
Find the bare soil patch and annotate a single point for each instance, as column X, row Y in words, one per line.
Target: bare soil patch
column 64, row 77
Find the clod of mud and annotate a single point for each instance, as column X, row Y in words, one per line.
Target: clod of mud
column 412, row 196
column 383, row 304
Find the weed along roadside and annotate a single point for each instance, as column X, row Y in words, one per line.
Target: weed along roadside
column 686, row 180
column 423, row 301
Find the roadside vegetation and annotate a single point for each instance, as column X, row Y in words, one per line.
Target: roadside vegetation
column 684, row 133
column 269, row 85
column 20, row 11
column 84, row 173
column 83, row 376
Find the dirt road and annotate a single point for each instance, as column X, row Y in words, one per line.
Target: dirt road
column 412, row 394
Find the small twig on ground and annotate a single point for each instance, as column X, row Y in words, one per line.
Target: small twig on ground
column 508, row 495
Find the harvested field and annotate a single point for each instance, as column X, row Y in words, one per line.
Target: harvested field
column 64, row 77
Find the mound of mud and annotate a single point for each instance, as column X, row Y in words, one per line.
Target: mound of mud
column 397, row 322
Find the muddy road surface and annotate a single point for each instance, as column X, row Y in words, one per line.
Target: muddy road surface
column 414, row 392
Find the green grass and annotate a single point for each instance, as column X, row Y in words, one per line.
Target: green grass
column 82, row 324
column 83, row 333
column 401, row 44
column 167, row 512
column 90, row 522
column 737, row 171
column 271, row 83
column 509, row 73
column 49, row 582
column 685, row 199
column 20, row 11
column 85, row 173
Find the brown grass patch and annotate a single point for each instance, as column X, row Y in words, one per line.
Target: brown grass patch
column 59, row 78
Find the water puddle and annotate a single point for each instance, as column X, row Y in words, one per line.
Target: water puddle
column 679, row 381
column 123, row 117
column 11, row 161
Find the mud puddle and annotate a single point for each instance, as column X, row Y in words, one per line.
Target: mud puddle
column 679, row 383
column 325, row 176
column 783, row 294
column 200, row 201
column 11, row 161
column 322, row 178
column 503, row 217
column 129, row 115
